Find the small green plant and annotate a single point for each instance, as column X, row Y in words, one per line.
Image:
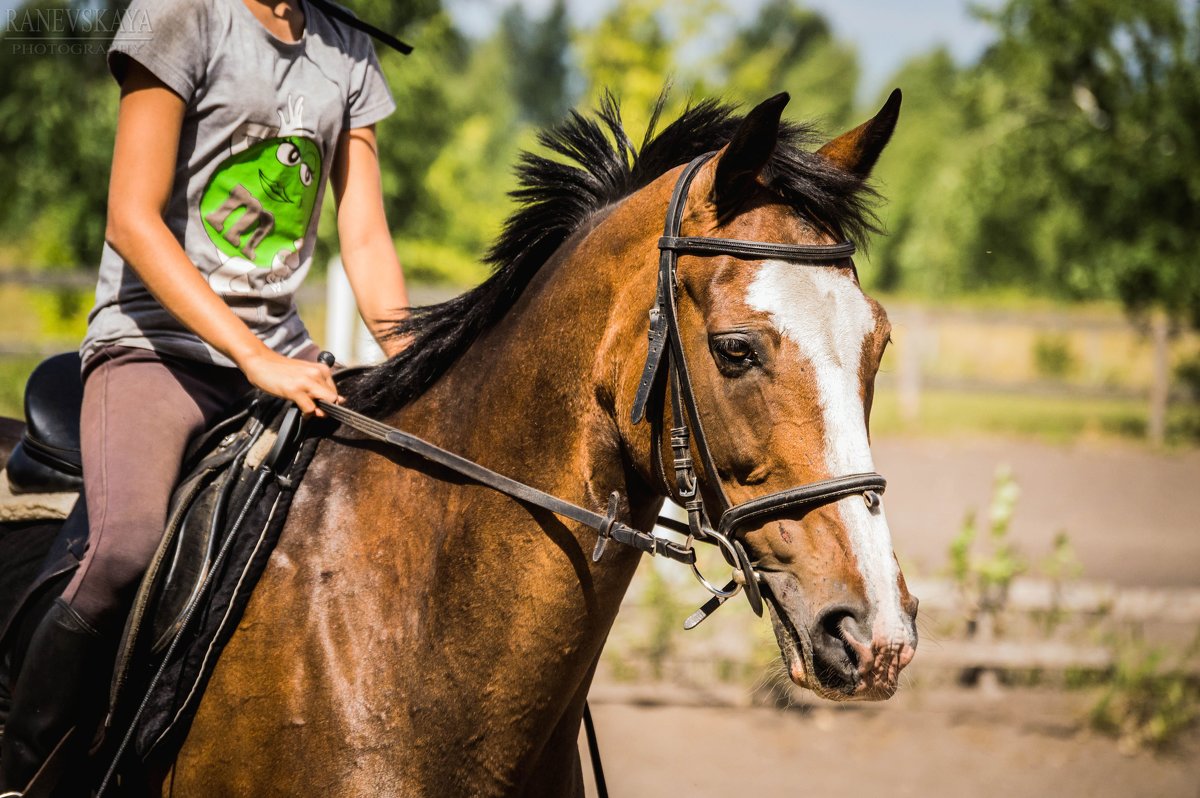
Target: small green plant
column 1060, row 566
column 1053, row 357
column 983, row 577
column 1150, row 700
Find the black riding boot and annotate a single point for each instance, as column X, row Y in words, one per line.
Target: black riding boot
column 50, row 696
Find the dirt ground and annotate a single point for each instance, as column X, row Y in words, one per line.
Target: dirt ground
column 949, row 743
column 1132, row 517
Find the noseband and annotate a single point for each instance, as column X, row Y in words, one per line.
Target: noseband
column 665, row 351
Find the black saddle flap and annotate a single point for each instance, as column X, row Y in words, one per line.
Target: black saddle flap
column 218, row 475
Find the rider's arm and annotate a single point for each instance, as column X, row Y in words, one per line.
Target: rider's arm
column 148, row 126
column 366, row 243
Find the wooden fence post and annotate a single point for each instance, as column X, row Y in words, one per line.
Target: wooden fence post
column 345, row 333
column 911, row 346
column 1160, row 388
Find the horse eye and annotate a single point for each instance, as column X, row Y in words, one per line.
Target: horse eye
column 734, row 350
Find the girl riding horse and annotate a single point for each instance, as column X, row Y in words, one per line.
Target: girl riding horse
column 234, row 115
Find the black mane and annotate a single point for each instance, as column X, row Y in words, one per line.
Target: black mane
column 556, row 197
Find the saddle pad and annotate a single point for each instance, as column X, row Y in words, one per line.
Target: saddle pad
column 33, row 506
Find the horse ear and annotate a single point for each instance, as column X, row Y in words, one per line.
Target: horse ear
column 748, row 151
column 856, row 151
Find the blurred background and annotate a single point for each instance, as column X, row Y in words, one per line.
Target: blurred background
column 1038, row 416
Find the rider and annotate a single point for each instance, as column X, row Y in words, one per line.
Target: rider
column 233, row 113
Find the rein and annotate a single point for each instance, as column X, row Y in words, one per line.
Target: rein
column 606, row 525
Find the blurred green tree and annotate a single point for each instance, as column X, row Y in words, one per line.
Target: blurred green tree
column 629, row 53
column 538, row 51
column 1094, row 187
column 57, row 122
column 786, row 47
column 922, row 178
column 448, row 153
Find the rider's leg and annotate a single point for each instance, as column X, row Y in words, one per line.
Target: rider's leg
column 139, row 412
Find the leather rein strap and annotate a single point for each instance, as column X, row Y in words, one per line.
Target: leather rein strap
column 606, row 525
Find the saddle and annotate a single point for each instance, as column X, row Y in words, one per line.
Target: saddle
column 47, row 459
column 200, row 577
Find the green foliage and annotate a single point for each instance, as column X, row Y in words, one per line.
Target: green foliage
column 1187, row 375
column 923, row 177
column 57, row 123
column 427, row 261
column 539, row 53
column 1150, row 700
column 666, row 610
column 789, row 48
column 411, row 139
column 1052, row 356
column 1061, row 564
column 1065, row 162
column 1108, row 91
column 447, row 153
column 630, row 54
column 14, row 371
column 984, row 569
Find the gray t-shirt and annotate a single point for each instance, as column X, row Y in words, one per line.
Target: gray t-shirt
column 259, row 134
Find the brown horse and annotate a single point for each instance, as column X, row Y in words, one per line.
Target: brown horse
column 416, row 634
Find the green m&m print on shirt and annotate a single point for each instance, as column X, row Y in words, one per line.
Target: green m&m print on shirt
column 260, row 202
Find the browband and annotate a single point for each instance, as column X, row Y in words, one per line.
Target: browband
column 701, row 245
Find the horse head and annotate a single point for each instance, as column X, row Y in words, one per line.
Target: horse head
column 782, row 358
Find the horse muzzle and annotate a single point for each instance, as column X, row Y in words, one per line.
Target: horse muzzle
column 834, row 651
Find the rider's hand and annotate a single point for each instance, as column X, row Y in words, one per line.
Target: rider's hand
column 300, row 381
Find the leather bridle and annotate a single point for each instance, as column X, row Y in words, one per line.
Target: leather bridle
column 665, row 354
column 665, row 351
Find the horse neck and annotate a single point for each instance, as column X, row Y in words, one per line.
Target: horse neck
column 537, row 395
column 536, row 398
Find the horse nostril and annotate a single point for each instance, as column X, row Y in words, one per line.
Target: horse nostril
column 835, row 654
column 842, row 622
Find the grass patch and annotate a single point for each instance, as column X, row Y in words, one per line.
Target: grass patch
column 1055, row 419
column 1150, row 701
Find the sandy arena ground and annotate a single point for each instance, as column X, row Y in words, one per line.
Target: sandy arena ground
column 951, row 743
column 1132, row 516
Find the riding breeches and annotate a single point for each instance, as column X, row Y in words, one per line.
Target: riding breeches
column 140, row 410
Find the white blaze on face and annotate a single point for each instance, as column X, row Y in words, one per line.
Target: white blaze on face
column 824, row 313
